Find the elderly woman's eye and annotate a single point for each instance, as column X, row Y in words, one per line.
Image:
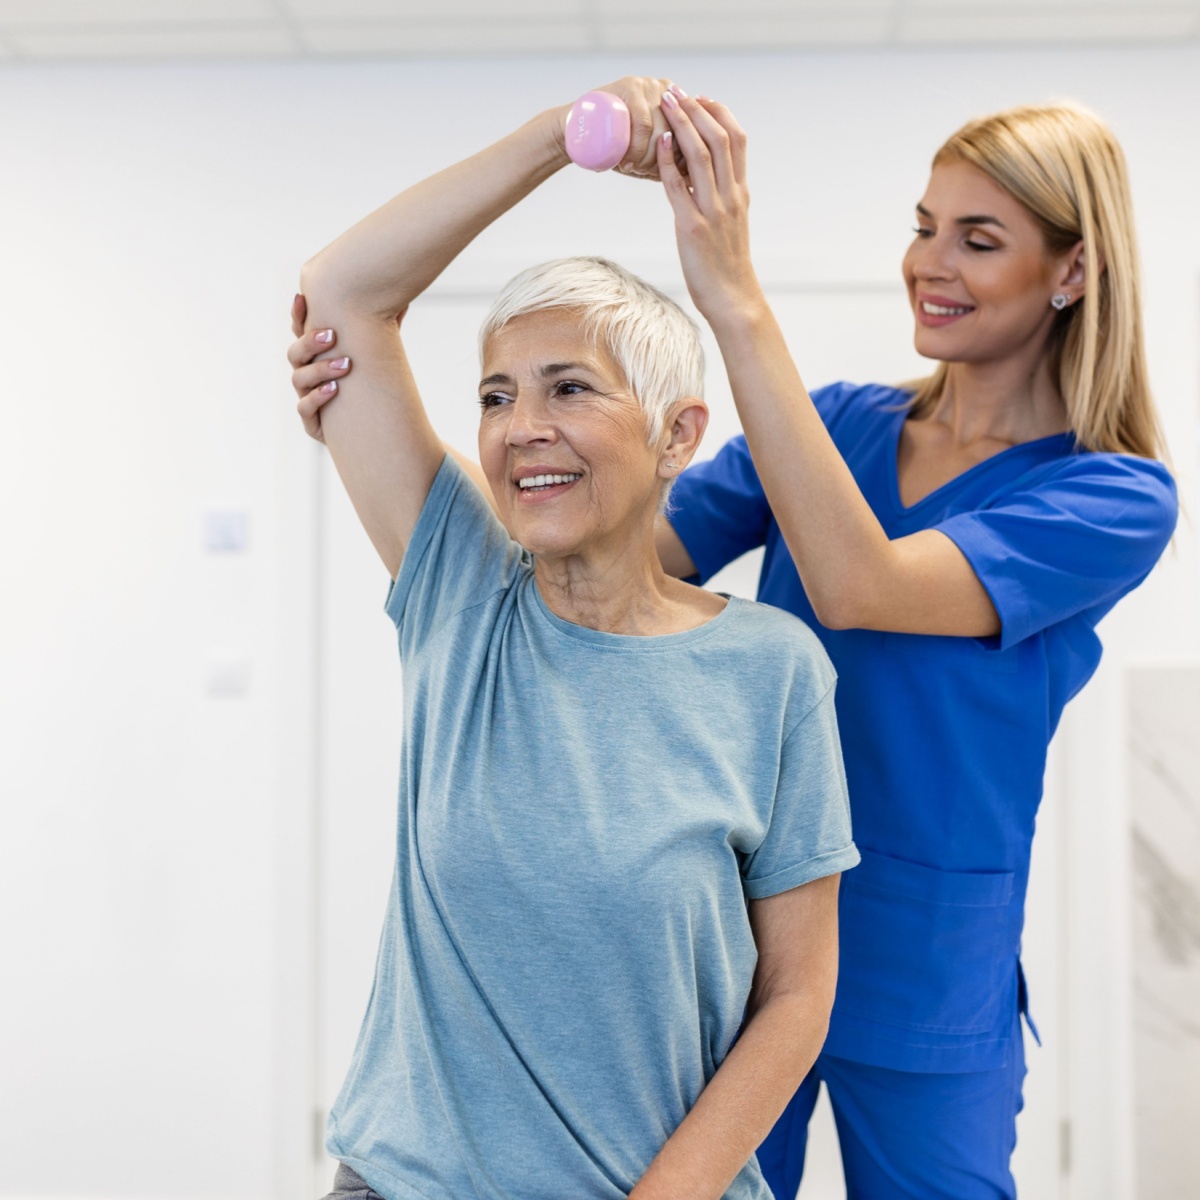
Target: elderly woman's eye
column 570, row 387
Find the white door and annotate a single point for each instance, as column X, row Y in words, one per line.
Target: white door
column 836, row 331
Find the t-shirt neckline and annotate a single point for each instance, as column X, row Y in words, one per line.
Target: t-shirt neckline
column 632, row 643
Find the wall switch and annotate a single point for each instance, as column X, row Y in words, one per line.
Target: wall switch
column 226, row 531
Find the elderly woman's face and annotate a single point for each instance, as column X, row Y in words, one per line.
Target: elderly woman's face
column 562, row 440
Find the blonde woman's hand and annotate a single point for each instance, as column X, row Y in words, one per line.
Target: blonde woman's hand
column 711, row 203
column 314, row 379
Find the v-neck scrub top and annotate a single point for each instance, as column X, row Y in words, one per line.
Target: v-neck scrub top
column 567, row 951
column 945, row 738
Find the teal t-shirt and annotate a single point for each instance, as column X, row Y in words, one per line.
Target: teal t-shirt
column 566, row 954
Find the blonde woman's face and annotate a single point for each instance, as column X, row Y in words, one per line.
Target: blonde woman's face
column 978, row 273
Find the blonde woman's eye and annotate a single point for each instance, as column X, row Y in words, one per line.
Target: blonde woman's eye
column 492, row 399
column 985, row 246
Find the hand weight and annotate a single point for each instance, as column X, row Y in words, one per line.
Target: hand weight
column 598, row 131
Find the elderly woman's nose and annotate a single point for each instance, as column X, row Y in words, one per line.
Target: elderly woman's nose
column 529, row 421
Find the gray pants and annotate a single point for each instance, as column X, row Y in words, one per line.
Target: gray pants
column 349, row 1186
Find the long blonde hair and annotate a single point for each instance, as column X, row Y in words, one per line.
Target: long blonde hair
column 1066, row 167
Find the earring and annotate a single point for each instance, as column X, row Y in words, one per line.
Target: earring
column 1060, row 300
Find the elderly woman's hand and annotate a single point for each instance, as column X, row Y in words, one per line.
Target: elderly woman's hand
column 314, row 379
column 643, row 97
column 711, row 203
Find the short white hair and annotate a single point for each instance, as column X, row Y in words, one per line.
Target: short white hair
column 654, row 342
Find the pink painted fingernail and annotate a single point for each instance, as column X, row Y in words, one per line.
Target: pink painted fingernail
column 679, row 91
column 325, row 337
column 339, row 364
column 669, row 101
column 666, row 140
column 327, row 389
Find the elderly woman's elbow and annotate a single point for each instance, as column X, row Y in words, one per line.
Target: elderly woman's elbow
column 804, row 1027
column 320, row 283
column 339, row 288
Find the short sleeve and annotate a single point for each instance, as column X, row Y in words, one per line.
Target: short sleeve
column 1077, row 540
column 719, row 510
column 809, row 833
column 458, row 556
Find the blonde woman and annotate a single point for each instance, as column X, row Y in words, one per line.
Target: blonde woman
column 953, row 544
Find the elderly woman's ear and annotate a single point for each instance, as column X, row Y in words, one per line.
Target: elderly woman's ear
column 685, row 424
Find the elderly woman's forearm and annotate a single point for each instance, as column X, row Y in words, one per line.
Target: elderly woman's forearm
column 377, row 431
column 385, row 261
column 743, row 1100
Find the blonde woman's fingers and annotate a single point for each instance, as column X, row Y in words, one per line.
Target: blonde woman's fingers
column 310, row 407
column 311, row 376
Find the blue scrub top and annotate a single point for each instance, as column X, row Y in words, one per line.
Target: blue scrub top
column 945, row 738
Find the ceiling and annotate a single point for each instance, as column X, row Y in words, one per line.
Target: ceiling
column 124, row 30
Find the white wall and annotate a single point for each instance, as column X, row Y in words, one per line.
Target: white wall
column 155, row 840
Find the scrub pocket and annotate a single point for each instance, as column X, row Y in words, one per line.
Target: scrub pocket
column 925, row 949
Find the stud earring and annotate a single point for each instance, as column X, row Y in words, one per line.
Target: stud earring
column 1060, row 300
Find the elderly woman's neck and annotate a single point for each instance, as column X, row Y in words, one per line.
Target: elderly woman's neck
column 624, row 595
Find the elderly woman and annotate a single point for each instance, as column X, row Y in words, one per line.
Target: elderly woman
column 622, row 810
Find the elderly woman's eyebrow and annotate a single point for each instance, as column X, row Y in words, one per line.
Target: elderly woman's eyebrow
column 545, row 372
column 559, row 368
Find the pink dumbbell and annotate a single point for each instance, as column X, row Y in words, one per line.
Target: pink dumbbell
column 598, row 131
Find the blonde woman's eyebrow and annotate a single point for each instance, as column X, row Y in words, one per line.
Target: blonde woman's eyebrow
column 973, row 219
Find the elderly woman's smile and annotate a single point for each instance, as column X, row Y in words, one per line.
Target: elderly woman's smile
column 540, row 481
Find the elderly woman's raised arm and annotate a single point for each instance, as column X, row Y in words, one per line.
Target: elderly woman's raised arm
column 377, row 431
